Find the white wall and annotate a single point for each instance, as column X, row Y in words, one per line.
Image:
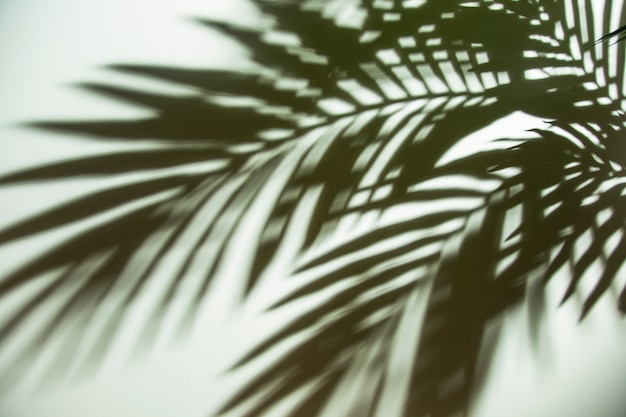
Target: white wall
column 47, row 45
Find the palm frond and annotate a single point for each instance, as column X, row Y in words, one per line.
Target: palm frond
column 322, row 175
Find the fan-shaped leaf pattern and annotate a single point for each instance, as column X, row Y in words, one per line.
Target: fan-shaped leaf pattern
column 326, row 173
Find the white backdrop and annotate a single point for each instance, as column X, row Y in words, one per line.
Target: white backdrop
column 46, row 45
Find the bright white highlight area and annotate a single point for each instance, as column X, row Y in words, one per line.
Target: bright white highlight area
column 512, row 127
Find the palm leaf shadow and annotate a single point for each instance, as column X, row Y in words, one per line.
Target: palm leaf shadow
column 346, row 125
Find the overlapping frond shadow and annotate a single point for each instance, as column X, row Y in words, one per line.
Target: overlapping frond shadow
column 322, row 176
